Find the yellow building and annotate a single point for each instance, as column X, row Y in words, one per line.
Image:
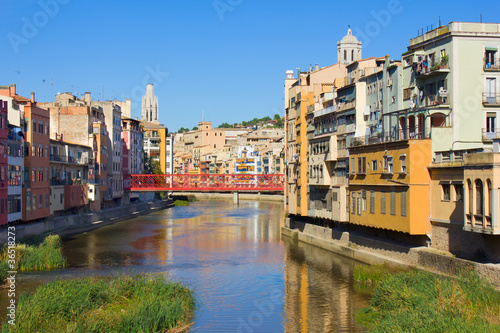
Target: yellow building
column 389, row 185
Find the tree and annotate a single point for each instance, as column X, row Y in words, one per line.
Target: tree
column 195, row 128
column 182, row 130
column 277, row 117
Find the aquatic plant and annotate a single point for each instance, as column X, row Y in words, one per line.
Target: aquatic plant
column 417, row 301
column 106, row 304
column 178, row 203
column 47, row 255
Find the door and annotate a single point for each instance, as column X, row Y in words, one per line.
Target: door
column 491, row 89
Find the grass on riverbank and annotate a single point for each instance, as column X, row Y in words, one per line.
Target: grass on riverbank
column 417, row 301
column 106, row 304
column 178, row 203
column 47, row 255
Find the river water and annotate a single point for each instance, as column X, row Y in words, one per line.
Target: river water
column 246, row 278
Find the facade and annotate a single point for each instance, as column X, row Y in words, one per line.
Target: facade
column 15, row 141
column 36, row 189
column 169, row 155
column 411, row 145
column 67, row 111
column 149, row 111
column 155, row 143
column 112, row 117
column 205, row 135
column 69, row 175
column 132, row 149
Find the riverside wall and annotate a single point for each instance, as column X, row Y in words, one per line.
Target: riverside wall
column 373, row 251
column 66, row 225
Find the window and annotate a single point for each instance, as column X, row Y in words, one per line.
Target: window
column 40, row 127
column 372, row 202
column 46, row 201
column 479, row 197
column 353, row 203
column 40, row 202
column 358, row 203
column 96, row 130
column 490, row 198
column 403, row 203
column 402, row 159
column 28, row 200
column 459, row 192
column 353, row 165
column 33, row 149
column 446, row 192
column 363, row 200
column 374, row 165
column 390, row 164
column 471, row 201
column 34, row 126
column 34, row 202
column 393, row 203
column 383, row 205
column 361, row 164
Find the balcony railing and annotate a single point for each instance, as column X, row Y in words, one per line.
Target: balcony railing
column 491, row 99
column 56, row 181
column 437, row 66
column 325, row 111
column 491, row 64
column 490, row 134
column 69, row 159
column 346, row 105
column 403, row 134
column 436, row 99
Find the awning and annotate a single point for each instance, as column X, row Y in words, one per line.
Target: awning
column 491, row 48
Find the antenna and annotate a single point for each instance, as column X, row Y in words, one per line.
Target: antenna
column 52, row 87
column 439, row 17
column 19, row 76
column 44, row 91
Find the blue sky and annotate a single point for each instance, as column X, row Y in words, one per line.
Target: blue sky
column 223, row 58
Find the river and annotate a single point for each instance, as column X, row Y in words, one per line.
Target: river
column 246, row 278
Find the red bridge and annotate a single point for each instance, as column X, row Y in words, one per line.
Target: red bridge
column 205, row 183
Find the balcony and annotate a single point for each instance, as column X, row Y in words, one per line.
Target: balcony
column 439, row 66
column 491, row 64
column 325, row 111
column 403, row 134
column 346, row 105
column 440, row 99
column 490, row 134
column 491, row 99
column 69, row 159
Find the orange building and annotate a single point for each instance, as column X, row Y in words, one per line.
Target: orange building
column 389, row 185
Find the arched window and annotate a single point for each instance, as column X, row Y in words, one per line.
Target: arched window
column 490, row 197
column 471, row 197
column 479, row 197
column 402, row 128
column 345, row 55
column 352, row 55
column 438, row 119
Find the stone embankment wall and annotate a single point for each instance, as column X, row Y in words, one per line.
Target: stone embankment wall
column 373, row 251
column 76, row 223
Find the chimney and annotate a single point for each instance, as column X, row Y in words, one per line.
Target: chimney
column 32, row 97
column 87, row 97
column 12, row 90
column 289, row 74
column 317, row 66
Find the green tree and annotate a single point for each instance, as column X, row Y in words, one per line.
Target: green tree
column 277, row 117
column 195, row 128
column 156, row 167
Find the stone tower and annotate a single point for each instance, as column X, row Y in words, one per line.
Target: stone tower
column 150, row 105
column 348, row 49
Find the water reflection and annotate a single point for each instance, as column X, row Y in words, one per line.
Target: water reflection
column 319, row 296
column 246, row 278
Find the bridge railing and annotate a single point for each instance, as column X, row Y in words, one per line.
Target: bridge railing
column 204, row 182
